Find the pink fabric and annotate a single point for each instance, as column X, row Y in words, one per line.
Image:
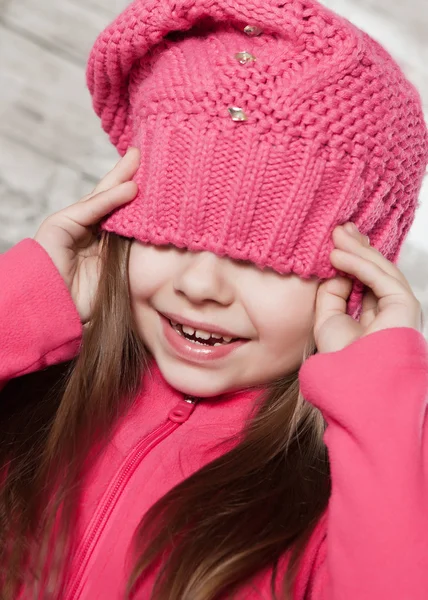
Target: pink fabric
column 372, row 542
column 334, row 131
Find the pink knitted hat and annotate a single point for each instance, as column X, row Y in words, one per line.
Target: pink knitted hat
column 262, row 125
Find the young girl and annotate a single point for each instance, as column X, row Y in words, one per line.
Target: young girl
column 214, row 384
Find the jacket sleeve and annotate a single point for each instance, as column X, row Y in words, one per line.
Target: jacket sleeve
column 39, row 323
column 373, row 395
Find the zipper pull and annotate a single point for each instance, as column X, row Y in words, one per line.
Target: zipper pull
column 183, row 409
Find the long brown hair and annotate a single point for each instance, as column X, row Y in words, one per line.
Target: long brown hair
column 210, row 533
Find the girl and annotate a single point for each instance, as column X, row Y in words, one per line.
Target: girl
column 199, row 401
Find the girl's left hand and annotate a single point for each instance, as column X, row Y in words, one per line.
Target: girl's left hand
column 389, row 301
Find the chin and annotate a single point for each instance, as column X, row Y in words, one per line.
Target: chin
column 193, row 380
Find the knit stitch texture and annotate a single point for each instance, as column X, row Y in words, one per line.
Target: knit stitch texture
column 334, row 131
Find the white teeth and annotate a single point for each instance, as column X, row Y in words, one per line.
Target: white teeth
column 200, row 333
column 188, row 330
column 204, row 335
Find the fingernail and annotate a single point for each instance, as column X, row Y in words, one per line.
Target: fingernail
column 352, row 229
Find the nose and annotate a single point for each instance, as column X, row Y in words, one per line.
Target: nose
column 203, row 278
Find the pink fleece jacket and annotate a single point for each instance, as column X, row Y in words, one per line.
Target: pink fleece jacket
column 372, row 541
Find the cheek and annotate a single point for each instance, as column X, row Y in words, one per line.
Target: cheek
column 139, row 285
column 285, row 313
column 285, row 332
column 148, row 271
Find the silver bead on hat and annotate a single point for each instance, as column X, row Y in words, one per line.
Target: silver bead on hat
column 237, row 113
column 244, row 57
column 252, row 30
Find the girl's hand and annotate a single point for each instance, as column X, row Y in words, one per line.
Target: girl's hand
column 69, row 236
column 389, row 302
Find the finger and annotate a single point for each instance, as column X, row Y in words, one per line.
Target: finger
column 370, row 302
column 353, row 230
column 123, row 171
column 369, row 308
column 383, row 284
column 331, row 306
column 358, row 246
column 332, row 296
column 89, row 213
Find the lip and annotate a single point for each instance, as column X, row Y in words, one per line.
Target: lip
column 201, row 326
column 192, row 352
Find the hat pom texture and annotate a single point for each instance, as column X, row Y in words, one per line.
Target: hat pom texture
column 334, row 131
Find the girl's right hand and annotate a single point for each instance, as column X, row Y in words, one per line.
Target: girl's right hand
column 69, row 236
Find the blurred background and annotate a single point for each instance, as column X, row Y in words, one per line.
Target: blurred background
column 52, row 147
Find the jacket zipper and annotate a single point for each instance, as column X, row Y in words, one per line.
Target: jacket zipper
column 178, row 415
